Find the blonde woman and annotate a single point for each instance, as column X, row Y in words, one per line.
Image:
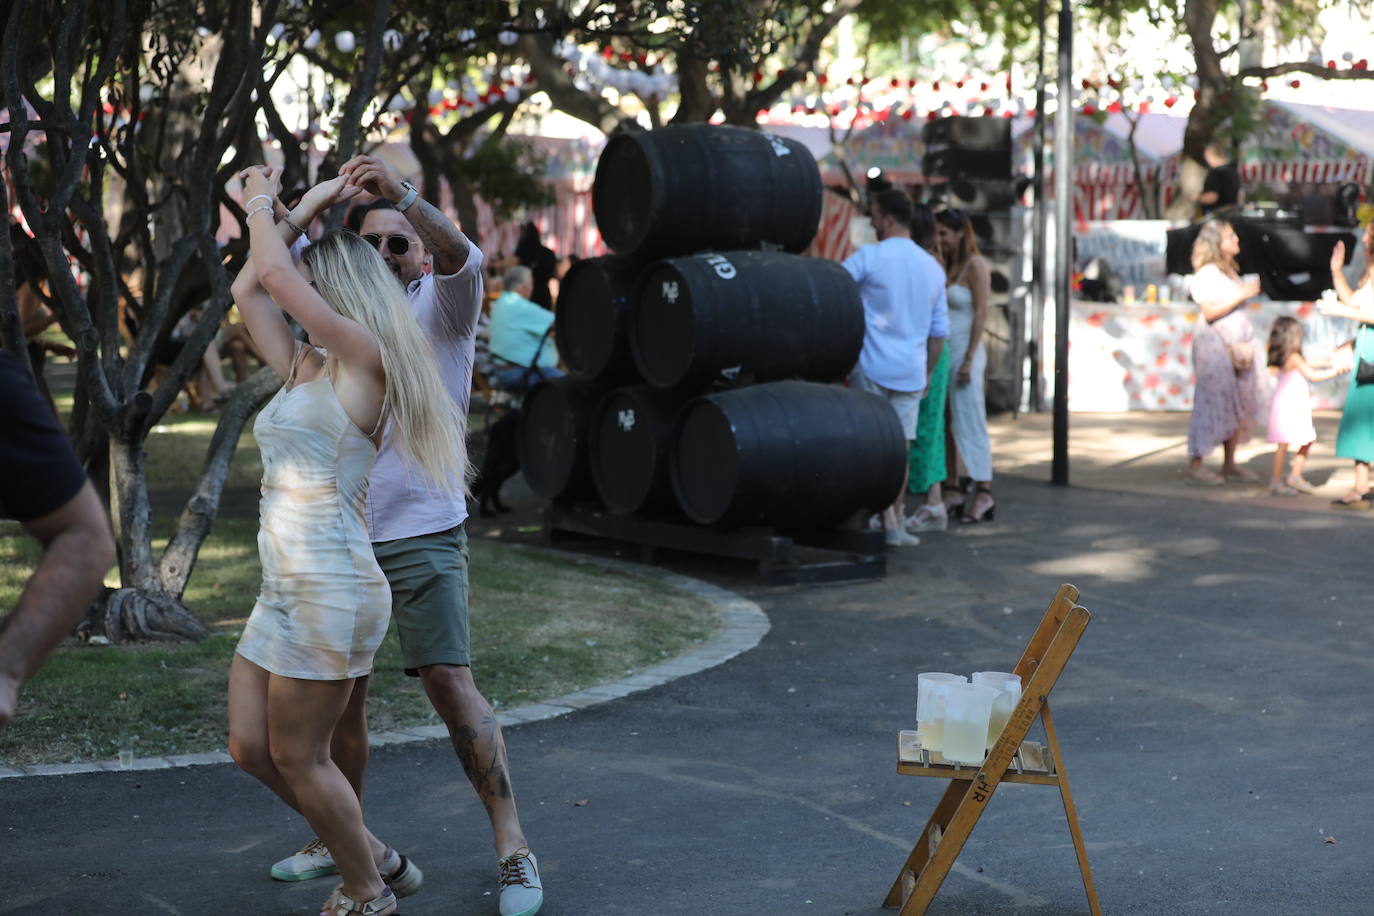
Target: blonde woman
column 969, row 287
column 1228, row 362
column 324, row 604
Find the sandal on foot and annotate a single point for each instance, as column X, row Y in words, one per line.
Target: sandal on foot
column 1352, row 505
column 947, row 490
column 1203, row 478
column 972, row 517
column 340, row 904
column 928, row 518
column 1282, row 489
column 1244, row 475
column 1302, row 486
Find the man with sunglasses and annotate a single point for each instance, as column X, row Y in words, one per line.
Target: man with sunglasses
column 418, row 536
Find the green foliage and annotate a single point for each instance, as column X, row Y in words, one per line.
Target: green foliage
column 508, row 171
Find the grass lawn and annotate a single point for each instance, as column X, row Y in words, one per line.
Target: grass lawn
column 541, row 626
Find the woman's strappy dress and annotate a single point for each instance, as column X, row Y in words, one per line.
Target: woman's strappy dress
column 324, row 604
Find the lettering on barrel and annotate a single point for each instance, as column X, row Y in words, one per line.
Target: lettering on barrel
column 731, row 373
column 626, row 420
column 670, row 290
column 779, row 148
column 722, row 266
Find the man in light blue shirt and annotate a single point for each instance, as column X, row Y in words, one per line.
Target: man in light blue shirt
column 906, row 321
column 519, row 335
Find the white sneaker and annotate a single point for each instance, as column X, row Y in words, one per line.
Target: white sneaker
column 313, row 861
column 928, row 518
column 400, row 874
column 896, row 537
column 522, row 893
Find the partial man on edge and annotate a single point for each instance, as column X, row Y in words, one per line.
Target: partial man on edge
column 44, row 488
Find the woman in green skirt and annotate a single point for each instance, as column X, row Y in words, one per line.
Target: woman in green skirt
column 926, row 458
column 1355, row 439
column 927, row 455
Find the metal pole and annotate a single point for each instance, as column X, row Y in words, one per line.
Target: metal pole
column 1040, row 227
column 1063, row 254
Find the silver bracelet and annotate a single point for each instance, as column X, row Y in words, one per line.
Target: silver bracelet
column 266, row 197
column 265, row 208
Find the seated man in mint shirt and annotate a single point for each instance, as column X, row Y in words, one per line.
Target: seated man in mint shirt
column 519, row 336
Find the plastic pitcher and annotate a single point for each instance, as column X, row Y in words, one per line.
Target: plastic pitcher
column 930, row 706
column 967, row 710
column 1008, row 686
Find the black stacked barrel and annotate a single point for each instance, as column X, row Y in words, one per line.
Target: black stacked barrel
column 710, row 347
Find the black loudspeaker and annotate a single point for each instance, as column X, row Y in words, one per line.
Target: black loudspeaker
column 960, row 147
column 1293, row 265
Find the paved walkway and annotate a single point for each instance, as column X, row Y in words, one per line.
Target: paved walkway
column 1213, row 722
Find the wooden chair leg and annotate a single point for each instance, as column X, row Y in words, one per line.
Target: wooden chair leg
column 1070, row 812
column 920, row 853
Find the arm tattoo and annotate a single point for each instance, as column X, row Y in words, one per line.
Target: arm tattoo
column 440, row 237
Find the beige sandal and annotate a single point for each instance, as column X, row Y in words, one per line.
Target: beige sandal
column 340, row 904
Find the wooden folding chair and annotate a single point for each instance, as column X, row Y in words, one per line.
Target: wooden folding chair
column 1012, row 759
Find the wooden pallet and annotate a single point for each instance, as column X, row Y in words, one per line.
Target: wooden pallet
column 782, row 559
column 1011, row 759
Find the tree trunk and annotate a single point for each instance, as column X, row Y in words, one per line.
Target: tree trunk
column 142, row 609
column 179, row 559
column 695, row 101
column 1199, row 16
column 124, row 615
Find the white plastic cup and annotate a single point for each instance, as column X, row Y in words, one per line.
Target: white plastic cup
column 930, row 706
column 967, row 710
column 1008, row 688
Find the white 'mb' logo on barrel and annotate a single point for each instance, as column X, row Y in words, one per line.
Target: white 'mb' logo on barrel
column 779, row 148
column 724, row 269
column 626, row 419
column 670, row 290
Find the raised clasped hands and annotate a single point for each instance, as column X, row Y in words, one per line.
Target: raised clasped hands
column 329, row 192
column 261, row 179
column 370, row 174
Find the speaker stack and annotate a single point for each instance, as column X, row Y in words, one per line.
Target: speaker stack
column 702, row 355
column 974, row 156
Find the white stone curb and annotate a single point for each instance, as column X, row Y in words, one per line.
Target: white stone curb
column 743, row 625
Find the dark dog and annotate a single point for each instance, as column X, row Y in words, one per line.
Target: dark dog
column 500, row 462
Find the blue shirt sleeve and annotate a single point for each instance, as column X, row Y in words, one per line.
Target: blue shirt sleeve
column 939, row 314
column 857, row 264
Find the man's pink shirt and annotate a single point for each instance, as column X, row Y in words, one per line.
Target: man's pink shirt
column 400, row 503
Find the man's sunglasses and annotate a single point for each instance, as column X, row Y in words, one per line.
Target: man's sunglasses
column 396, row 244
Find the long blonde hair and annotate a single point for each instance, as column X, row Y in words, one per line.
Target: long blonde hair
column 425, row 422
column 1207, row 248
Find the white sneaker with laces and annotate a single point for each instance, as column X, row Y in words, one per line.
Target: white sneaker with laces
column 313, row 861
column 896, row 537
column 522, row 893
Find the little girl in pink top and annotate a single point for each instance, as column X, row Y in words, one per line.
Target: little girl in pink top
column 1290, row 414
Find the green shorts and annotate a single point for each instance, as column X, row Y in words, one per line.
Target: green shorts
column 429, row 597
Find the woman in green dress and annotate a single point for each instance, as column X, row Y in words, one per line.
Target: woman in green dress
column 1355, row 439
column 926, row 458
